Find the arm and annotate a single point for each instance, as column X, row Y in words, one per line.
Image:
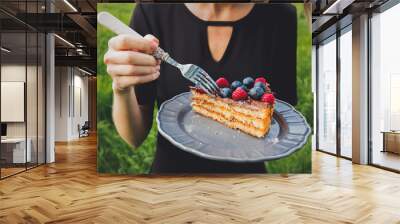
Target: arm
column 131, row 67
column 132, row 121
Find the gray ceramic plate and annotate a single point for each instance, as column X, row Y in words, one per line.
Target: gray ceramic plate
column 209, row 139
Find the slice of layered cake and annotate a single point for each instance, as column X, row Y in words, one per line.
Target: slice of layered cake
column 247, row 106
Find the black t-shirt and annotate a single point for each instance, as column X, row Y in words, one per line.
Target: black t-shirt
column 263, row 43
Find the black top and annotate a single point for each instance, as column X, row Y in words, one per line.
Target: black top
column 263, row 43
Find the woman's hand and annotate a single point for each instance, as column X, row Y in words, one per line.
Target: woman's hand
column 129, row 61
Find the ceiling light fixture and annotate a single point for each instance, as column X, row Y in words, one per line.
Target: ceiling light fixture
column 64, row 40
column 5, row 50
column 338, row 6
column 79, row 51
column 70, row 5
column 84, row 71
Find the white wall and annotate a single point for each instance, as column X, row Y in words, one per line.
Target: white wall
column 61, row 103
column 70, row 83
column 80, row 84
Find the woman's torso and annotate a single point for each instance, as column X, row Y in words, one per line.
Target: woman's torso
column 254, row 49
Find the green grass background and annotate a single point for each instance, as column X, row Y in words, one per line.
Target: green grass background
column 115, row 156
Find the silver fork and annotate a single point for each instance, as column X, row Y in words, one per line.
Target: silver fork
column 191, row 72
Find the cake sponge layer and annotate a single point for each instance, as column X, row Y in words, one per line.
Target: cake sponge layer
column 230, row 123
column 230, row 114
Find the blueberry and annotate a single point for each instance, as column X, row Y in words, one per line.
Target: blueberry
column 235, row 84
column 256, row 93
column 226, row 92
column 248, row 82
column 260, row 84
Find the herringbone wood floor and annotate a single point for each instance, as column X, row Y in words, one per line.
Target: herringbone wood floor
column 70, row 191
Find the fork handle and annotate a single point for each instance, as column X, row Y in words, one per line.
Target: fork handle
column 118, row 27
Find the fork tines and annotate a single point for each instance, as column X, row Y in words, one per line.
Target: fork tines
column 206, row 82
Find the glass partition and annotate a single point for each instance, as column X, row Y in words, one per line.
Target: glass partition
column 327, row 96
column 22, row 88
column 14, row 153
column 346, row 93
column 385, row 89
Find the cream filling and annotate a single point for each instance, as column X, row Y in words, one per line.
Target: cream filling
column 229, row 114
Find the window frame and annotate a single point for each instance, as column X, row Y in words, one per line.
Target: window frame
column 333, row 37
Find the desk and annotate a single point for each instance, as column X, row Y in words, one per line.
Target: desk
column 13, row 150
column 391, row 141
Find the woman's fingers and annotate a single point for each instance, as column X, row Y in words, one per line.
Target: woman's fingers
column 152, row 38
column 129, row 42
column 131, row 70
column 122, row 82
column 129, row 60
column 129, row 57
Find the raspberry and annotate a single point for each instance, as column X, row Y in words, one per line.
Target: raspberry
column 260, row 79
column 244, row 88
column 239, row 94
column 268, row 98
column 222, row 82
